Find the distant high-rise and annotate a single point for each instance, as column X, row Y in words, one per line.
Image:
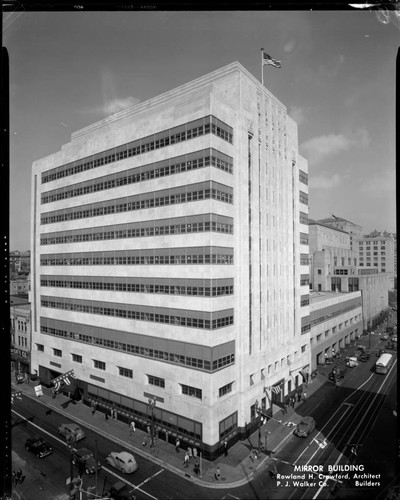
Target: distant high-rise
column 170, row 259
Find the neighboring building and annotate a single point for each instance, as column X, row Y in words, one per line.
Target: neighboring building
column 377, row 251
column 170, row 259
column 19, row 287
column 331, row 257
column 20, row 329
column 336, row 320
column 20, row 260
column 354, row 230
column 335, row 267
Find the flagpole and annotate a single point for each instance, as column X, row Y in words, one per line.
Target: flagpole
column 262, row 71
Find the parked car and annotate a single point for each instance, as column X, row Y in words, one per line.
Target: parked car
column 328, row 361
column 384, row 336
column 352, row 362
column 390, row 345
column 305, row 427
column 123, row 461
column 84, row 459
column 380, row 352
column 69, row 430
column 38, row 446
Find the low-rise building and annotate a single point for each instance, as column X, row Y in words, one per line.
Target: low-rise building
column 336, row 320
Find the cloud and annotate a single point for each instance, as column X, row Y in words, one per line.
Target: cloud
column 319, row 148
column 324, row 182
column 298, row 114
column 380, row 185
column 116, row 105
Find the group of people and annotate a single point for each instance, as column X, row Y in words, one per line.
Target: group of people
column 17, row 477
column 298, row 396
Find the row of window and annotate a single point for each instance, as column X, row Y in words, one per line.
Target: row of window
column 303, row 218
column 303, row 177
column 132, row 260
column 303, row 198
column 169, row 357
column 332, row 313
column 128, row 311
column 162, row 139
column 141, row 202
column 198, row 291
column 194, row 161
column 140, row 232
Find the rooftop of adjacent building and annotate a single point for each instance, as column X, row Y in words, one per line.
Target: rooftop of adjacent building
column 317, row 297
column 20, row 300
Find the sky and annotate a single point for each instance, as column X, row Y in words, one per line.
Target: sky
column 71, row 69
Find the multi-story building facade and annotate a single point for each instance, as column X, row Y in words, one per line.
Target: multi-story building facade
column 20, row 329
column 377, row 251
column 336, row 320
column 170, row 259
column 331, row 258
column 354, row 230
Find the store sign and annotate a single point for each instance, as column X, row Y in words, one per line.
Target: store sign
column 20, row 353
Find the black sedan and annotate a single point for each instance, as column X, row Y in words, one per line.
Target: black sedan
column 85, row 461
column 305, row 427
column 38, row 446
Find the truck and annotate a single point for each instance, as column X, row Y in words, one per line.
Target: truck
column 120, row 491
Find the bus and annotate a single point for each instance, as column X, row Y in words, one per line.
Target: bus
column 384, row 363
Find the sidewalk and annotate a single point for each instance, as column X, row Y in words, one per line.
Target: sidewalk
column 237, row 468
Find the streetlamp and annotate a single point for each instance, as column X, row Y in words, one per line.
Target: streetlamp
column 152, row 404
column 262, row 418
column 71, row 442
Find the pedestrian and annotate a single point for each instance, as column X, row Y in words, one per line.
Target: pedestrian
column 14, row 478
column 132, row 427
column 217, row 474
column 18, row 474
column 304, row 396
column 115, row 415
column 106, row 416
column 299, row 397
column 225, row 448
column 94, row 407
column 195, row 452
column 189, row 450
column 186, row 460
column 196, row 468
column 177, row 445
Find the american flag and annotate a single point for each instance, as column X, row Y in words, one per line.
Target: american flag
column 267, row 59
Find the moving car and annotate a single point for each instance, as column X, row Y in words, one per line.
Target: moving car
column 120, row 491
column 305, row 427
column 384, row 336
column 69, row 430
column 364, row 356
column 84, row 459
column 38, row 446
column 123, row 461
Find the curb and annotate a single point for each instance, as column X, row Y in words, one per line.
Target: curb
column 185, row 475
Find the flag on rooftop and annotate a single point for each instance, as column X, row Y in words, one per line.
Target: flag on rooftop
column 267, row 59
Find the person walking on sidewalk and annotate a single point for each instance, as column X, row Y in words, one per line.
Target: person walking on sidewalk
column 132, row 427
column 225, row 448
column 177, row 445
column 186, row 460
column 304, row 396
column 217, row 474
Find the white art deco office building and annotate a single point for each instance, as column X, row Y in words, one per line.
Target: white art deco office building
column 170, row 259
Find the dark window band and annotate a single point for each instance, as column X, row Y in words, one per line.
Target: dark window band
column 209, row 359
column 177, row 317
column 182, row 194
column 191, row 130
column 191, row 287
column 177, row 225
column 157, row 256
column 186, row 163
